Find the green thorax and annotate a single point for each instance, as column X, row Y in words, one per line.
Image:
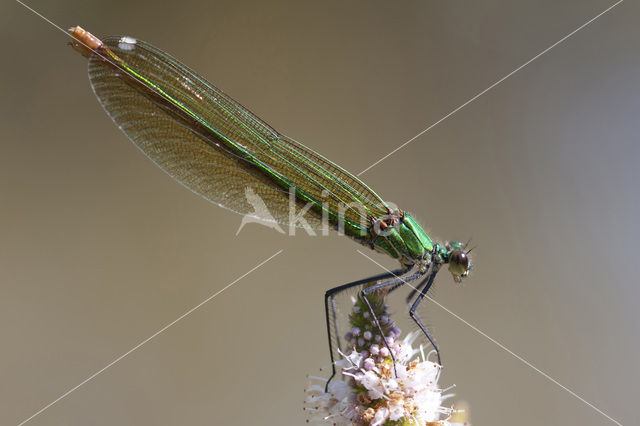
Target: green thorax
column 407, row 241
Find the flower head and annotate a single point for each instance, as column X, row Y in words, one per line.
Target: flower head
column 373, row 390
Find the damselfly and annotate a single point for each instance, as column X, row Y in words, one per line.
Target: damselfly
column 221, row 151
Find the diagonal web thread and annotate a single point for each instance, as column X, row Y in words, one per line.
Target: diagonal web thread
column 163, row 329
column 491, row 87
column 503, row 347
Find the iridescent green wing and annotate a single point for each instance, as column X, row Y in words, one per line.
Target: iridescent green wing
column 216, row 147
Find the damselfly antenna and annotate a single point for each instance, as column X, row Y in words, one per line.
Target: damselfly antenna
column 467, row 244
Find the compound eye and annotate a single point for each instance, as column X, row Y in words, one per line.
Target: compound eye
column 461, row 259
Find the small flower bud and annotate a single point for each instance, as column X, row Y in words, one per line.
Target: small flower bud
column 369, row 363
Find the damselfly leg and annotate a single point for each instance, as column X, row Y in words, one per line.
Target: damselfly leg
column 331, row 313
column 422, row 290
column 387, row 285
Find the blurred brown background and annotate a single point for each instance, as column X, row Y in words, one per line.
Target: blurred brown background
column 99, row 249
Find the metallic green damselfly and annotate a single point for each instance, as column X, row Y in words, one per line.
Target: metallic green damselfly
column 221, row 151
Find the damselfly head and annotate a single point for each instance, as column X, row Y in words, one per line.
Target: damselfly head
column 458, row 259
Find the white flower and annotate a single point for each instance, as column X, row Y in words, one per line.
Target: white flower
column 396, row 410
column 381, row 416
column 373, row 390
column 371, row 393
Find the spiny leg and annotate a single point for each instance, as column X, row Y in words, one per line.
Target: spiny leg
column 424, row 286
column 330, row 295
column 330, row 310
column 390, row 284
column 415, row 290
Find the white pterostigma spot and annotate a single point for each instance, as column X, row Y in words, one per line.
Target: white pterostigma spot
column 127, row 43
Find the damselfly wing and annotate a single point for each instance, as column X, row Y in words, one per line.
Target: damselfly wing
column 222, row 151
